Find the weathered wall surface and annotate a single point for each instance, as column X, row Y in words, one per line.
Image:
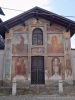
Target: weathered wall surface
column 56, row 50
column 73, row 62
column 1, row 64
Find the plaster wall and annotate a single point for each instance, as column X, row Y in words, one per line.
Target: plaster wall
column 62, row 51
column 73, row 63
column 1, row 64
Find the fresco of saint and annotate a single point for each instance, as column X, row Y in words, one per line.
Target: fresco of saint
column 68, row 74
column 54, row 46
column 56, row 68
column 20, row 66
column 20, row 47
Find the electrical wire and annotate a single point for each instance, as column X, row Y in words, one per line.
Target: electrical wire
column 12, row 9
column 33, row 12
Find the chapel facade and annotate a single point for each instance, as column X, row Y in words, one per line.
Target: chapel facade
column 38, row 47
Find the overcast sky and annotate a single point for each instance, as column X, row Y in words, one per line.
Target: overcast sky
column 61, row 7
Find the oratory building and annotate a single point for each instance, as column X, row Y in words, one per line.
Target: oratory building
column 37, row 47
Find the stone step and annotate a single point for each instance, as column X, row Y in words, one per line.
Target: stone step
column 28, row 97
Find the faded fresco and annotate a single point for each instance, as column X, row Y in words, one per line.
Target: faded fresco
column 20, row 43
column 8, row 48
column 67, row 44
column 56, row 68
column 55, row 43
column 1, row 64
column 7, row 68
column 7, row 58
column 68, row 72
column 34, row 21
column 37, row 50
column 55, row 27
column 67, row 34
column 20, row 28
column 19, row 66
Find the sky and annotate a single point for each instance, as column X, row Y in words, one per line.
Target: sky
column 60, row 7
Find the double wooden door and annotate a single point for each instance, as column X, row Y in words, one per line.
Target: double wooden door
column 37, row 70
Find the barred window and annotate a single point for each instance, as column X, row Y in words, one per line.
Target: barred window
column 37, row 37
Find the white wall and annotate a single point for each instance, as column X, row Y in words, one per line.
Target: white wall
column 73, row 62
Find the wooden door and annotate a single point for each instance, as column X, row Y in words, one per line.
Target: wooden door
column 37, row 70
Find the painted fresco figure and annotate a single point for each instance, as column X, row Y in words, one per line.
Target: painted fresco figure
column 55, row 47
column 40, row 50
column 56, row 66
column 20, row 46
column 56, row 69
column 68, row 69
column 37, row 50
column 20, row 66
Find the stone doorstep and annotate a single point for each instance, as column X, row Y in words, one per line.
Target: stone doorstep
column 43, row 89
column 37, row 97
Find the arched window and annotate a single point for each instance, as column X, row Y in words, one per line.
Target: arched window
column 37, row 37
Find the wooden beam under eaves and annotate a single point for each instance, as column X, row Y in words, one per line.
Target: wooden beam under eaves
column 68, row 27
column 36, row 15
column 52, row 20
column 6, row 29
column 23, row 23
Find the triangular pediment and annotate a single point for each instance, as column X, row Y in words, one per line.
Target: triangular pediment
column 37, row 13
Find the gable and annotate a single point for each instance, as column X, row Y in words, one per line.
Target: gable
column 41, row 22
column 37, row 13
